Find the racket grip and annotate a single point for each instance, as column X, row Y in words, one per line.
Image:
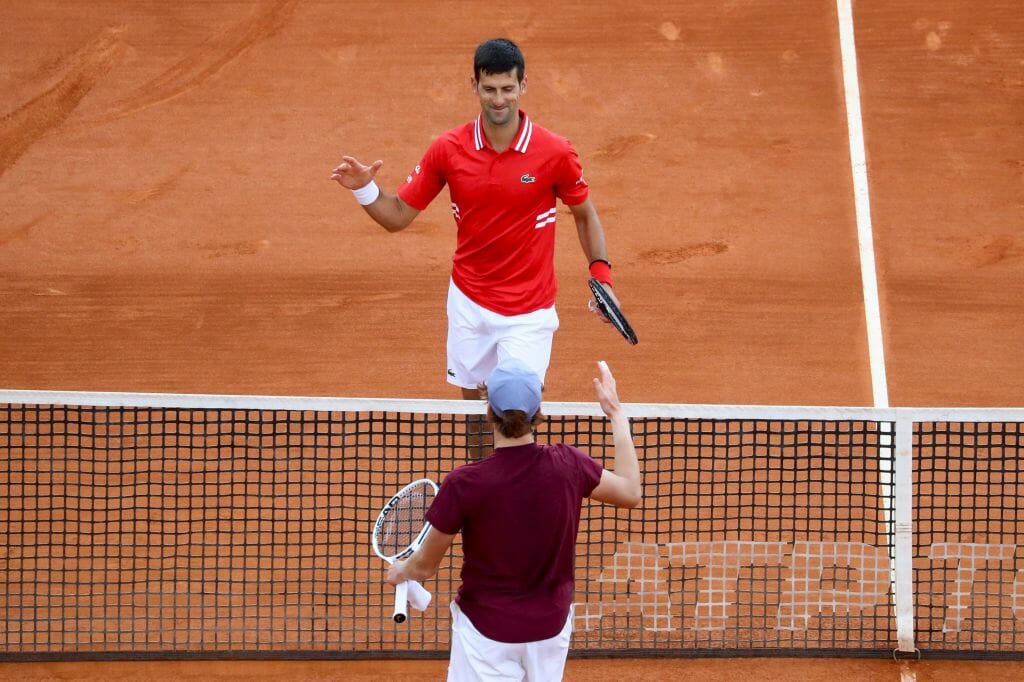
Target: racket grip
column 401, row 602
column 419, row 597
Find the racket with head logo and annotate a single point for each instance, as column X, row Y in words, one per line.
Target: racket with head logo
column 399, row 530
column 606, row 304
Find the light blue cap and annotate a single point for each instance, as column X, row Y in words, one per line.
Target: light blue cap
column 512, row 385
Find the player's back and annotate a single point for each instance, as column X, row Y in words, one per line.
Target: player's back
column 521, row 510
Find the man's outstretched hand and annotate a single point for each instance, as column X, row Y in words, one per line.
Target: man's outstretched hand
column 353, row 174
column 607, row 394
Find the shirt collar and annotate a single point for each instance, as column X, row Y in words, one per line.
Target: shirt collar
column 522, row 142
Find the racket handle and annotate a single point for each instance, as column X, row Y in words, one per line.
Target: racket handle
column 401, row 602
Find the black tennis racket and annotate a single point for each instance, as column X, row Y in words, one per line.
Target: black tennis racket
column 611, row 311
column 399, row 530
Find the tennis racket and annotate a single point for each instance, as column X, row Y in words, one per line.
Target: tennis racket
column 399, row 530
column 611, row 311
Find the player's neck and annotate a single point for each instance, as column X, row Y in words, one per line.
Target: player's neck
column 501, row 136
column 501, row 441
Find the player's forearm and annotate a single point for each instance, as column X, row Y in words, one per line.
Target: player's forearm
column 592, row 241
column 402, row 571
column 626, row 464
column 417, row 567
column 591, row 236
column 596, row 248
column 424, row 562
column 590, row 231
column 389, row 211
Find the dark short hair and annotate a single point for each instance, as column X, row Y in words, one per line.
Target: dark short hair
column 499, row 55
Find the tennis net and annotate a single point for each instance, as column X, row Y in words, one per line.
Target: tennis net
column 186, row 526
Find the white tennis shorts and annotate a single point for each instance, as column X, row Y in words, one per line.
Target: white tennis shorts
column 479, row 338
column 475, row 658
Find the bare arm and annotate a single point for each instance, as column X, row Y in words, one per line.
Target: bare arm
column 388, row 209
column 620, row 486
column 590, row 231
column 424, row 561
column 591, row 234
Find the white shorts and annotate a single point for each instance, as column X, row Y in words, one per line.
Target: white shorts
column 479, row 338
column 475, row 658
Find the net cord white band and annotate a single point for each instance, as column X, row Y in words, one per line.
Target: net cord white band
column 441, row 406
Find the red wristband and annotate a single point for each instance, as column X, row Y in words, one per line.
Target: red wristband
column 601, row 270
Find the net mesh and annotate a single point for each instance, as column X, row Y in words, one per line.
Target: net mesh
column 969, row 525
column 134, row 531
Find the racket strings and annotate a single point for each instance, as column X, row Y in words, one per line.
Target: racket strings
column 404, row 521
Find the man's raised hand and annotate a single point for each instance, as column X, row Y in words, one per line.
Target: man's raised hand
column 352, row 174
column 607, row 395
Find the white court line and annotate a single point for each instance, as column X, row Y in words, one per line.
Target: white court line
column 869, row 279
column 899, row 523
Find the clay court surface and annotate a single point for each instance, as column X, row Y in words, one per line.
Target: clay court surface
column 167, row 223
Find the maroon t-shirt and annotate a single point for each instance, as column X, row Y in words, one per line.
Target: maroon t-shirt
column 519, row 512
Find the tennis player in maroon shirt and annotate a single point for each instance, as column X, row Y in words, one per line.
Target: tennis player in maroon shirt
column 519, row 513
column 504, row 175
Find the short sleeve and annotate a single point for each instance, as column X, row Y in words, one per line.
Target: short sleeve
column 428, row 177
column 445, row 512
column 590, row 473
column 588, row 469
column 571, row 187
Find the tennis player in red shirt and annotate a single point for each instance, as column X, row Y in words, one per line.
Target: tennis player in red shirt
column 519, row 513
column 504, row 174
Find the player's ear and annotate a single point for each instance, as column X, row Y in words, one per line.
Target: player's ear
column 522, row 85
column 472, row 83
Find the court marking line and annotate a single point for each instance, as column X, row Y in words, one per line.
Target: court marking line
column 862, row 205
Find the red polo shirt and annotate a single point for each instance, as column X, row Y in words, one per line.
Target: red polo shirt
column 504, row 208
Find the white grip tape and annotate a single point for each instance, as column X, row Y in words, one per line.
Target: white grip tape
column 410, row 593
column 419, row 598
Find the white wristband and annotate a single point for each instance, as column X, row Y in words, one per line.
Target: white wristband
column 367, row 194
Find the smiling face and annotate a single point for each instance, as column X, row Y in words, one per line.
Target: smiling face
column 499, row 95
